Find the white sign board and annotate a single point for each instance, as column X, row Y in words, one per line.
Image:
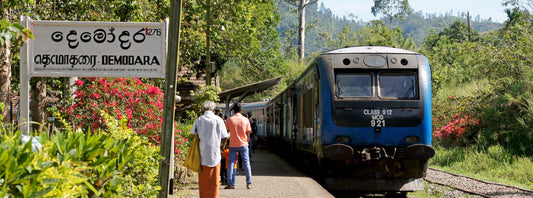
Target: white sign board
column 89, row 49
column 97, row 49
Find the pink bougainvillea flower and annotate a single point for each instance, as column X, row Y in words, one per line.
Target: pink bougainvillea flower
column 129, row 98
column 102, row 80
column 153, row 90
column 79, row 82
column 456, row 128
column 129, row 113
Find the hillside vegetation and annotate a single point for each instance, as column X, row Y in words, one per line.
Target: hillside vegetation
column 322, row 24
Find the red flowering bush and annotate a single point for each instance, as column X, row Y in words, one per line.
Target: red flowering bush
column 456, row 129
column 123, row 98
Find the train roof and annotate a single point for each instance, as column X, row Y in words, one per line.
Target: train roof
column 254, row 104
column 370, row 49
column 246, row 104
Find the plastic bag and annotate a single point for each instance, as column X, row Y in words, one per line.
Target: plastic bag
column 193, row 160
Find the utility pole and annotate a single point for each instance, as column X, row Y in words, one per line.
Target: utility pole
column 167, row 142
column 468, row 22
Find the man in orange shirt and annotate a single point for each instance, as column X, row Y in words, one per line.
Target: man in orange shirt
column 239, row 128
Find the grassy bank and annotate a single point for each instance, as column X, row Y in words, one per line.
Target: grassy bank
column 490, row 164
column 494, row 164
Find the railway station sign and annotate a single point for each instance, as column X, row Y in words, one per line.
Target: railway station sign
column 89, row 49
column 96, row 49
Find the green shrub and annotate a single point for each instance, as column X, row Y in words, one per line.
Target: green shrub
column 118, row 163
column 202, row 94
column 20, row 168
column 509, row 118
column 67, row 174
column 99, row 157
column 139, row 177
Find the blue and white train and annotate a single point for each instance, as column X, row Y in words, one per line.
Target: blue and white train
column 360, row 117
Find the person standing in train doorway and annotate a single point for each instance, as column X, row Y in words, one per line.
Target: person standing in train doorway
column 253, row 135
column 239, row 128
column 211, row 131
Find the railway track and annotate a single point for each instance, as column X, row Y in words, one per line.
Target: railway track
column 475, row 186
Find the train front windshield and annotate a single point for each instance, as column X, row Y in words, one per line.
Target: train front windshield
column 397, row 85
column 392, row 85
column 354, row 85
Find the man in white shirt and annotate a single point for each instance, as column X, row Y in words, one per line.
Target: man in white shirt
column 211, row 131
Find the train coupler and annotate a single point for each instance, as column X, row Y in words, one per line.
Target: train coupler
column 376, row 153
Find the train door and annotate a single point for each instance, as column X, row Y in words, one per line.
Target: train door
column 306, row 110
column 307, row 115
column 285, row 116
column 268, row 124
column 316, row 97
column 294, row 116
column 279, row 121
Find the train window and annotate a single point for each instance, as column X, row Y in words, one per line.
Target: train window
column 398, row 85
column 353, row 85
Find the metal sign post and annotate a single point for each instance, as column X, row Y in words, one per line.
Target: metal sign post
column 167, row 146
column 24, row 105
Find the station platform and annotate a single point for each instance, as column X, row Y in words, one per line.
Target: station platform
column 271, row 177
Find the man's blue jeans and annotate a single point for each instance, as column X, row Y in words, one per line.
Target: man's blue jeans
column 246, row 162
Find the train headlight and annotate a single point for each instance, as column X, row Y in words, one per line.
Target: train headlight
column 393, row 60
column 375, row 61
column 412, row 139
column 343, row 139
column 346, row 61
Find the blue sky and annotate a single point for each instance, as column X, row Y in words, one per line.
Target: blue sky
column 483, row 8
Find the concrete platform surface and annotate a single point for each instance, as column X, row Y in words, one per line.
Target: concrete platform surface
column 272, row 177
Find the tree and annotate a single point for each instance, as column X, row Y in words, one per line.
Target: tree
column 301, row 4
column 248, row 41
column 521, row 4
column 516, row 16
column 12, row 36
column 459, row 32
column 208, row 7
column 392, row 9
column 377, row 33
column 347, row 38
